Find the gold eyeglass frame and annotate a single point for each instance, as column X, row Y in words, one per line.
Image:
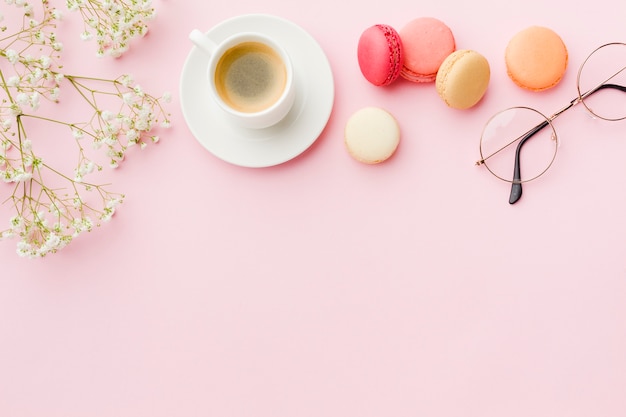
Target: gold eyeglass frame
column 516, row 182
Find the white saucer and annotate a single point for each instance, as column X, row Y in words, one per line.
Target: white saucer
column 283, row 141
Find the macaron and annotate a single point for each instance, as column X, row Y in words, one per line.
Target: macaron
column 536, row 58
column 463, row 78
column 380, row 54
column 427, row 42
column 372, row 135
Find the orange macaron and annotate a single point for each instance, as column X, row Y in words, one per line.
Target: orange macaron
column 536, row 58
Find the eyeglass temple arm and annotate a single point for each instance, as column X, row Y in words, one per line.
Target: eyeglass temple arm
column 602, row 87
column 516, row 187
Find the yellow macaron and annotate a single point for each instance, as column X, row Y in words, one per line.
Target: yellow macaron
column 463, row 78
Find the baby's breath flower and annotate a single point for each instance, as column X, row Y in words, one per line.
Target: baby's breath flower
column 11, row 55
column 126, row 80
column 78, row 133
column 132, row 135
column 18, row 224
column 110, row 208
column 128, row 98
column 20, row 175
column 97, row 143
column 34, row 100
column 54, row 93
column 138, row 90
column 107, row 115
column 22, row 99
column 15, row 109
column 45, row 61
column 13, row 81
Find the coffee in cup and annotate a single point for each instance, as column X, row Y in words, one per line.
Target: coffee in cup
column 250, row 78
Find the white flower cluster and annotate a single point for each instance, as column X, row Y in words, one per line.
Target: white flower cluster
column 115, row 131
column 33, row 54
column 113, row 23
column 16, row 170
column 47, row 215
column 39, row 237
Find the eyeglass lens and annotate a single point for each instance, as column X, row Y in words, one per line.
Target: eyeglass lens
column 502, row 139
column 603, row 78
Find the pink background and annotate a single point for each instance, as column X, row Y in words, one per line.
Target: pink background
column 325, row 287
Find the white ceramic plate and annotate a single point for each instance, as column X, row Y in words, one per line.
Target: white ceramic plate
column 278, row 143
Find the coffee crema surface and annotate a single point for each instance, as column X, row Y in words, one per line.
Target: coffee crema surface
column 250, row 77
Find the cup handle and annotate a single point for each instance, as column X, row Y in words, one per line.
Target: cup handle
column 202, row 41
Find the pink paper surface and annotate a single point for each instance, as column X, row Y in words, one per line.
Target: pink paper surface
column 325, row 287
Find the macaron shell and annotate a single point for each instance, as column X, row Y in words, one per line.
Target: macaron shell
column 536, row 58
column 380, row 54
column 372, row 135
column 427, row 42
column 463, row 79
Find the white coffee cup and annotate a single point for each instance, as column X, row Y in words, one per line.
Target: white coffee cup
column 250, row 78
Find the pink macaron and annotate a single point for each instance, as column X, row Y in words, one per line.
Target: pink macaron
column 427, row 42
column 380, row 54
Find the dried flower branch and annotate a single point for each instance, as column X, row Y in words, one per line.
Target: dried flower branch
column 51, row 204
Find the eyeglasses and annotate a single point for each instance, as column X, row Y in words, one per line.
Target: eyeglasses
column 601, row 85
